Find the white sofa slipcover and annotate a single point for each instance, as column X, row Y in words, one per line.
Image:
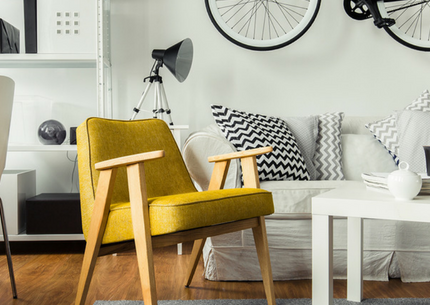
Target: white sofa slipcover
column 391, row 249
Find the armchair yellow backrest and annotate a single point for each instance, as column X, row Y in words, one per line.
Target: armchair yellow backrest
column 95, row 143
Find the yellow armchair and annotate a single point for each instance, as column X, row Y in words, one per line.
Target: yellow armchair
column 135, row 187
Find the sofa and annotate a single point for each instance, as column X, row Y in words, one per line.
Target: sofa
column 391, row 249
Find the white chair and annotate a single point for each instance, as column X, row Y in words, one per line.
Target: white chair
column 7, row 88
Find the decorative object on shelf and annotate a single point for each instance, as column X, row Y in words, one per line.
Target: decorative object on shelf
column 9, row 38
column 51, row 132
column 427, row 154
column 177, row 59
column 72, row 135
column 30, row 25
column 403, row 183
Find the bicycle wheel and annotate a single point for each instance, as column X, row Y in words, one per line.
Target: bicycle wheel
column 262, row 24
column 412, row 22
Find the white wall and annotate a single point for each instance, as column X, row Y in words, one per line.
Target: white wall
column 340, row 64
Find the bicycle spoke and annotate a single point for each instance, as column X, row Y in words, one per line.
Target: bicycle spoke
column 412, row 21
column 263, row 22
column 413, row 24
column 278, row 17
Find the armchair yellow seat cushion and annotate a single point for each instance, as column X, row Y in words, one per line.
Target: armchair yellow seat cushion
column 181, row 212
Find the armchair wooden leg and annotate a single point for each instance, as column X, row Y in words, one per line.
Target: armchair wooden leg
column 8, row 254
column 142, row 231
column 260, row 238
column 96, row 232
column 194, row 260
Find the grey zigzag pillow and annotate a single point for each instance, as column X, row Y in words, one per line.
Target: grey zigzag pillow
column 328, row 153
column 247, row 131
column 385, row 130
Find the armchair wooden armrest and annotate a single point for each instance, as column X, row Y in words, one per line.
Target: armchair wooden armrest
column 103, row 198
column 128, row 160
column 249, row 167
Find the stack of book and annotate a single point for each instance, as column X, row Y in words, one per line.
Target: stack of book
column 378, row 182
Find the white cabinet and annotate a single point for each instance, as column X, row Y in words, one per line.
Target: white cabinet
column 15, row 187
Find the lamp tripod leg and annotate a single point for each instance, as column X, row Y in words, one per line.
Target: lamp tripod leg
column 142, row 98
column 157, row 111
column 161, row 106
column 165, row 104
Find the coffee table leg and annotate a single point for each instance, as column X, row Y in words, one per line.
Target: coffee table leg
column 355, row 259
column 322, row 260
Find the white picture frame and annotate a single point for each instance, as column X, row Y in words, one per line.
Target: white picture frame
column 66, row 26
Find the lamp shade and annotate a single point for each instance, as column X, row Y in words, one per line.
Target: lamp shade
column 177, row 58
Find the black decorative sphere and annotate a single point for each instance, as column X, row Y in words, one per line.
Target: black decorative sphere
column 51, row 132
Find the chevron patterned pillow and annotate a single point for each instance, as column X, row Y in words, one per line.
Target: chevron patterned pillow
column 246, row 131
column 328, row 153
column 385, row 130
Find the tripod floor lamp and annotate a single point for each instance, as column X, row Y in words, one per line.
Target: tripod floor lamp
column 177, row 59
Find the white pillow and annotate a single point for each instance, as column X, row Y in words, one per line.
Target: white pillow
column 414, row 133
column 363, row 154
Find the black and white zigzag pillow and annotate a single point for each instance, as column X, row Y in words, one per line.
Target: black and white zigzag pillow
column 248, row 131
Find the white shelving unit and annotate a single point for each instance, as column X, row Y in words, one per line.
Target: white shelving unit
column 47, row 61
column 99, row 60
column 44, row 237
column 104, row 66
column 41, row 148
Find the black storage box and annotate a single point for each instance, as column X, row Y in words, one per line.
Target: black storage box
column 50, row 213
column 9, row 38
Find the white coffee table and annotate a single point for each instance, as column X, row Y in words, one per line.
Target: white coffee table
column 356, row 203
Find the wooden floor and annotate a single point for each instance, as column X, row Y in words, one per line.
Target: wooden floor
column 46, row 279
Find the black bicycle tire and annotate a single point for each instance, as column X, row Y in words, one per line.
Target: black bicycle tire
column 255, row 48
column 400, row 40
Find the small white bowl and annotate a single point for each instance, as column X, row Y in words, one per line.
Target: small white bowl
column 403, row 183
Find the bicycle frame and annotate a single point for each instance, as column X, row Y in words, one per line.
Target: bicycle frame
column 371, row 12
column 374, row 13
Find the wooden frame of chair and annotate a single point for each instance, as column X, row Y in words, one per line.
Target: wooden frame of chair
column 144, row 242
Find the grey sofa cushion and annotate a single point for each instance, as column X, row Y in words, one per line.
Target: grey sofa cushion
column 305, row 130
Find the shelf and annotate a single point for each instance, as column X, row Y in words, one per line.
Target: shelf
column 44, row 237
column 179, row 127
column 48, row 60
column 41, row 148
